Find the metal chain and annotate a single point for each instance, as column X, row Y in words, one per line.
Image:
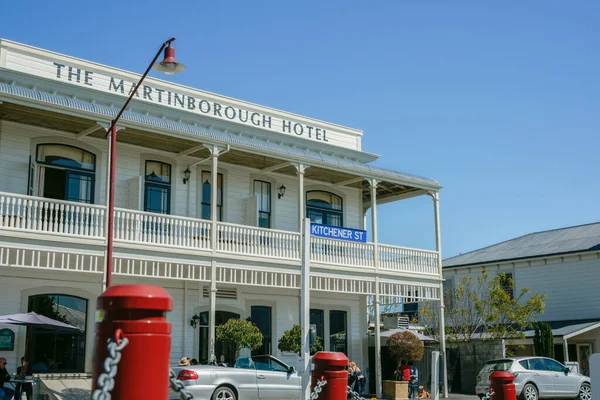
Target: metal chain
column 318, row 388
column 106, row 380
column 354, row 395
column 178, row 387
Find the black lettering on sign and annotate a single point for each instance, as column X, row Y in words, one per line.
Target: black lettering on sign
column 204, row 106
column 191, row 102
column 58, row 68
column 147, row 92
column 255, row 121
column 88, row 78
column 230, row 112
column 246, row 117
column 298, row 129
column 217, row 108
column 115, row 87
column 76, row 74
column 160, row 92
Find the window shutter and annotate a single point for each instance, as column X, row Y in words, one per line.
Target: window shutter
column 134, row 193
column 251, row 211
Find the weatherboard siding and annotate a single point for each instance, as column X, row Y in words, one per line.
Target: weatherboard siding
column 570, row 283
column 18, row 141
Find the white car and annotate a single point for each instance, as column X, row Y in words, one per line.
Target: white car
column 537, row 378
column 252, row 378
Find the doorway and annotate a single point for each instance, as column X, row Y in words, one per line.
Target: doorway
column 221, row 350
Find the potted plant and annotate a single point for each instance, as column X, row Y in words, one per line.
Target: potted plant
column 239, row 334
column 291, row 342
column 403, row 346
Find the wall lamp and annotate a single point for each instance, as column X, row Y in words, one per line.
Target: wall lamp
column 281, row 191
column 195, row 321
column 186, row 175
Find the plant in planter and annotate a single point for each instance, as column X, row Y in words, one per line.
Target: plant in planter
column 239, row 334
column 291, row 341
column 405, row 346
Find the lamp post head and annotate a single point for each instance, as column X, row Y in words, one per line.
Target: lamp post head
column 169, row 65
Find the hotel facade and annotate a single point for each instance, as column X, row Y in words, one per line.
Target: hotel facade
column 178, row 148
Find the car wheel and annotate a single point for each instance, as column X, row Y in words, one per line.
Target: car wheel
column 224, row 393
column 530, row 392
column 585, row 392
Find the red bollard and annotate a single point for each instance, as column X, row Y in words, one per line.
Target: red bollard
column 504, row 388
column 139, row 311
column 333, row 367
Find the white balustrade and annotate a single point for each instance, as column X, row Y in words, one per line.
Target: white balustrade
column 28, row 213
column 340, row 252
column 404, row 259
column 161, row 229
column 248, row 240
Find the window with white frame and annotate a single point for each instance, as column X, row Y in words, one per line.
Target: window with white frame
column 262, row 190
column 324, row 208
column 205, row 194
column 157, row 187
column 63, row 173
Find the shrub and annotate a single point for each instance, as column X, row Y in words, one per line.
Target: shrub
column 291, row 341
column 405, row 346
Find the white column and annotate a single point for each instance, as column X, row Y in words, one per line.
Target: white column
column 566, row 350
column 378, row 378
column 301, row 208
column 438, row 248
column 213, row 242
column 305, row 309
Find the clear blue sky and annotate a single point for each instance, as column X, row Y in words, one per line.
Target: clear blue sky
column 498, row 102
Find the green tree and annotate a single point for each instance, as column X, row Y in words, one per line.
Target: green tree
column 239, row 334
column 543, row 341
column 487, row 306
column 405, row 346
column 291, row 341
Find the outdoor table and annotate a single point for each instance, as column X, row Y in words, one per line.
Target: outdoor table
column 34, row 381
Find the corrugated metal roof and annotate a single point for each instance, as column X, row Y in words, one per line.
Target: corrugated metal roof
column 240, row 142
column 557, row 241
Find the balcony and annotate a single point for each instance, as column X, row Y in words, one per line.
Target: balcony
column 50, row 218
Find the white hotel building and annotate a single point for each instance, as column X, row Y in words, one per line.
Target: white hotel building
column 54, row 112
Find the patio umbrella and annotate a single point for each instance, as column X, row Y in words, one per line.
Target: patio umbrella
column 32, row 319
column 419, row 335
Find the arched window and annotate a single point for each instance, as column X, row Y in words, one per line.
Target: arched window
column 157, row 191
column 64, row 173
column 50, row 350
column 324, row 208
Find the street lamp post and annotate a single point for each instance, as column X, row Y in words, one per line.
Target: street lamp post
column 169, row 66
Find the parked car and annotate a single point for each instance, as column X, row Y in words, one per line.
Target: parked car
column 251, row 378
column 537, row 378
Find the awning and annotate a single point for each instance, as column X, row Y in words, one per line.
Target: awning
column 32, row 97
column 567, row 329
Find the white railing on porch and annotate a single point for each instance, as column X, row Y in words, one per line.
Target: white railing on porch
column 252, row 241
column 404, row 259
column 340, row 252
column 28, row 213
column 160, row 229
column 42, row 215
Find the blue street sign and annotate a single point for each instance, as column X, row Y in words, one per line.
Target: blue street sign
column 335, row 232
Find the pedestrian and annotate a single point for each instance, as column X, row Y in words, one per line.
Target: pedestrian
column 414, row 382
column 5, row 393
column 24, row 387
column 351, row 377
column 360, row 378
column 184, row 361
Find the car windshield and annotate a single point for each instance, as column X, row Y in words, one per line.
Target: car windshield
column 496, row 365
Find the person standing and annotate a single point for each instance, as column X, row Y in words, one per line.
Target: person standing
column 5, row 393
column 23, row 371
column 360, row 378
column 414, row 382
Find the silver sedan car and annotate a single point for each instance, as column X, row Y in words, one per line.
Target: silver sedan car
column 537, row 378
column 255, row 378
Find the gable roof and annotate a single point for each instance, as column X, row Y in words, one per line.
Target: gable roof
column 557, row 241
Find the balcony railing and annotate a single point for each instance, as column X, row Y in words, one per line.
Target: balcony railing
column 48, row 216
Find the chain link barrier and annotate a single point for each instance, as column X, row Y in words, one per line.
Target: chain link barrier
column 178, row 387
column 354, row 395
column 106, row 380
column 318, row 388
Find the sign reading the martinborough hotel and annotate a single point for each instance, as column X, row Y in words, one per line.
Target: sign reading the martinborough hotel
column 88, row 75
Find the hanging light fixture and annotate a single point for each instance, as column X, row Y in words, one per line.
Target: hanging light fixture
column 281, row 192
column 169, row 65
column 186, row 175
